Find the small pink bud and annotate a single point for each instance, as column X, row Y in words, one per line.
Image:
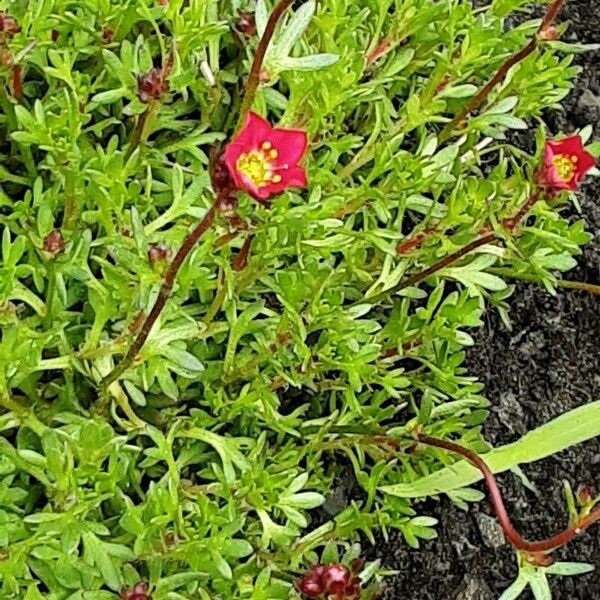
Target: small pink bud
column 152, row 85
column 139, row 592
column 158, row 254
column 585, row 494
column 336, row 579
column 246, row 24
column 549, row 34
column 9, row 27
column 107, row 35
column 54, row 243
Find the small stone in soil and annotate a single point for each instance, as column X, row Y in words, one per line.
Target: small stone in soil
column 491, row 532
column 474, row 589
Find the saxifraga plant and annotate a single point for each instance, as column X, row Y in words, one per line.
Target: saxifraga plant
column 179, row 364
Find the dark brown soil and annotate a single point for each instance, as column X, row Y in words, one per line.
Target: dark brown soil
column 545, row 366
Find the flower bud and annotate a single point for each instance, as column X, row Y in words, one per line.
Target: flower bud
column 9, row 27
column 107, row 35
column 54, row 243
column 549, row 34
column 585, row 494
column 151, row 85
column 246, row 24
column 139, row 592
column 158, row 254
column 311, row 586
column 336, row 579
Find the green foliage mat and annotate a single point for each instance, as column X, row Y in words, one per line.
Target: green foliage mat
column 259, row 386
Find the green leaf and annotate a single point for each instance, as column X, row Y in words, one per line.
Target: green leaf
column 516, row 589
column 307, row 63
column 98, row 556
column 109, row 96
column 295, row 28
column 567, row 569
column 573, row 427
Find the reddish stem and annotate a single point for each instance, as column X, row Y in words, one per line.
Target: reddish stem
column 381, row 49
column 500, row 75
column 438, row 266
column 163, row 296
column 17, row 82
column 487, row 236
column 514, row 222
column 241, row 260
column 259, row 57
column 416, row 240
column 513, row 536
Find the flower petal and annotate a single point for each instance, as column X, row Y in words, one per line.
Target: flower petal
column 254, row 132
column 291, row 144
column 292, row 178
column 232, row 153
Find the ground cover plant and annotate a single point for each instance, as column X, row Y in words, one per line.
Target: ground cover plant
column 228, row 282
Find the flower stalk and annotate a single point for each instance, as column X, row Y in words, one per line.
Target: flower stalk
column 254, row 78
column 512, row 535
column 163, row 296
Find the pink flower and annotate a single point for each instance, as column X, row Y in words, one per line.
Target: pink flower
column 264, row 160
column 566, row 163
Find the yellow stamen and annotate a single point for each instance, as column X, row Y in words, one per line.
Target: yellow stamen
column 256, row 165
column 564, row 166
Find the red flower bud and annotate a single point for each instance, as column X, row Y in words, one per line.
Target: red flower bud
column 246, row 24
column 139, row 592
column 54, row 243
column 336, row 579
column 163, row 3
column 9, row 27
column 548, row 35
column 311, row 586
column 329, row 581
column 585, row 494
column 565, row 164
column 158, row 254
column 55, row 35
column 107, row 35
column 152, row 85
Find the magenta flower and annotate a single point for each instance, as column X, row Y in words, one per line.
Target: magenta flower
column 264, row 160
column 566, row 163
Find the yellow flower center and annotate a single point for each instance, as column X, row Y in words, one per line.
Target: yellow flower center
column 565, row 166
column 257, row 166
